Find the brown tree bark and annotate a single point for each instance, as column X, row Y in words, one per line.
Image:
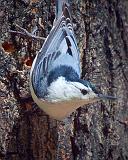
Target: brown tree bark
column 94, row 132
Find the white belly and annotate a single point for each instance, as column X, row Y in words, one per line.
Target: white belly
column 59, row 110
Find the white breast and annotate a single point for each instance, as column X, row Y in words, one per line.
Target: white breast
column 62, row 90
column 58, row 110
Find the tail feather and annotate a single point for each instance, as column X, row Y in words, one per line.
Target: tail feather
column 62, row 7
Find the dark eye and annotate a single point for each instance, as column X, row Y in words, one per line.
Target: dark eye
column 83, row 91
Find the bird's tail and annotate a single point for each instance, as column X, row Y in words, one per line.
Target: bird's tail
column 62, row 7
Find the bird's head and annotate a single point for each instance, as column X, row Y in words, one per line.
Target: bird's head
column 92, row 90
column 63, row 90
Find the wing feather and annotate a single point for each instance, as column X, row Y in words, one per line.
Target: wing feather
column 59, row 48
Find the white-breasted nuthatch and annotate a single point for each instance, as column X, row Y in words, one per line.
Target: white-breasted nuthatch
column 55, row 82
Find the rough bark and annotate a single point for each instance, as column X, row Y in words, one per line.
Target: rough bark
column 94, row 132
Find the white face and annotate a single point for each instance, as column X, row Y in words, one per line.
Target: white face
column 62, row 90
column 82, row 91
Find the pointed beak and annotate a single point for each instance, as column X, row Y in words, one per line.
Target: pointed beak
column 106, row 97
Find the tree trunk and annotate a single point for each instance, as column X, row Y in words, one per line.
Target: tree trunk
column 94, row 132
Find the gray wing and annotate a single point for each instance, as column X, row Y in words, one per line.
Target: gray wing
column 60, row 48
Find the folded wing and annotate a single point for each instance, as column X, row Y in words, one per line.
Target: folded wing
column 60, row 48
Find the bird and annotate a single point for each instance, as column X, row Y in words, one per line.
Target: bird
column 55, row 77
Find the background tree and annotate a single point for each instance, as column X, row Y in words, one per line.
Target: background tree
column 98, row 131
